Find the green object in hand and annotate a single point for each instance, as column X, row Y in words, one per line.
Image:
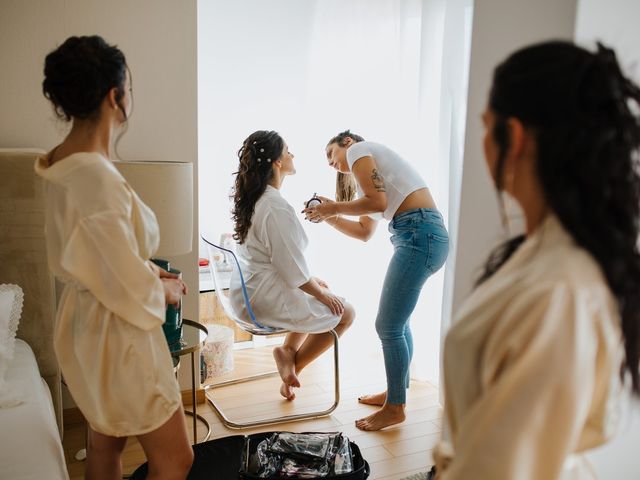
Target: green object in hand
column 172, row 326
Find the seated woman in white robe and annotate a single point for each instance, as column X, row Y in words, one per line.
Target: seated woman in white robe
column 271, row 241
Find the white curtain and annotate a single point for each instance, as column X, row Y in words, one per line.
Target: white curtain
column 393, row 71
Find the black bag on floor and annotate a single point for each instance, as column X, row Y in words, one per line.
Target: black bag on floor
column 228, row 458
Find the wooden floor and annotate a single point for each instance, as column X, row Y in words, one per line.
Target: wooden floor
column 393, row 453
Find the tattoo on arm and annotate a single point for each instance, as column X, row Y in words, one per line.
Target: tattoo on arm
column 378, row 181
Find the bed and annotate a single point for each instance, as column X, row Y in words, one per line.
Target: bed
column 31, row 446
column 33, row 449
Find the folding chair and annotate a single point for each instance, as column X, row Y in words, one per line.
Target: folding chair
column 254, row 327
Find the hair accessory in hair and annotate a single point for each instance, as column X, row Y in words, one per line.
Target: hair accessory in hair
column 262, row 150
column 259, row 160
column 269, row 160
column 255, row 143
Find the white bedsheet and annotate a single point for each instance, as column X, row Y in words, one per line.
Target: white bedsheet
column 30, row 446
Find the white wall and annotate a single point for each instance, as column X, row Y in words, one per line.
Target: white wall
column 321, row 73
column 158, row 38
column 615, row 24
column 499, row 28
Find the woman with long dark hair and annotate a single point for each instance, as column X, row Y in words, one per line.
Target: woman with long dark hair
column 100, row 236
column 533, row 362
column 271, row 248
column 387, row 187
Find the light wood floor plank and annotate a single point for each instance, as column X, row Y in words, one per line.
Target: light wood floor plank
column 397, row 467
column 422, row 443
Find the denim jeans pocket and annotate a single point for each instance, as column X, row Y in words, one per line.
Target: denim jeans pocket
column 438, row 251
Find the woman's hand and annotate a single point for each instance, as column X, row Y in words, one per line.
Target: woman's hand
column 322, row 283
column 327, row 209
column 318, row 289
column 333, row 302
column 174, row 289
column 162, row 273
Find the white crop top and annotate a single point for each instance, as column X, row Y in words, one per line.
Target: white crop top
column 400, row 178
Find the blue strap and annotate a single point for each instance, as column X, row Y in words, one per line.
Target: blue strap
column 244, row 288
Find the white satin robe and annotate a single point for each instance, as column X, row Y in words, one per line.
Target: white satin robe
column 273, row 266
column 108, row 336
column 531, row 367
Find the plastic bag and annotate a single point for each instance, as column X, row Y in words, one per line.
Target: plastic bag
column 343, row 460
column 307, row 444
column 302, row 455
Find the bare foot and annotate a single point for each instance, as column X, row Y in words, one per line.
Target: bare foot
column 287, row 391
column 286, row 362
column 388, row 415
column 376, row 399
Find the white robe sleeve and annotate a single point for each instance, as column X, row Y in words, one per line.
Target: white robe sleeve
column 102, row 255
column 287, row 240
column 537, row 392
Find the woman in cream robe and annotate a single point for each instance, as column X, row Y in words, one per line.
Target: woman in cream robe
column 531, row 364
column 533, row 361
column 108, row 335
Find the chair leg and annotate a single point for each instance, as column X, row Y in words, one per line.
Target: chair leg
column 282, row 419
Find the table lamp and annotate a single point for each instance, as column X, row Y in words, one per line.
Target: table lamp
column 167, row 188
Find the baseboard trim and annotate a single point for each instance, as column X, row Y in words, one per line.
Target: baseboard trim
column 186, row 396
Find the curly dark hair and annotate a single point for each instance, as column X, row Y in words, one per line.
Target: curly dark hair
column 345, row 183
column 79, row 73
column 584, row 114
column 257, row 154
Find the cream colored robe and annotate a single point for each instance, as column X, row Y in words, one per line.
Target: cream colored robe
column 108, row 337
column 531, row 366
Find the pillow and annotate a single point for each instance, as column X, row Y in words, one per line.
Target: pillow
column 11, row 299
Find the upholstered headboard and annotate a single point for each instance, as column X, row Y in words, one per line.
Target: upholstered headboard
column 23, row 260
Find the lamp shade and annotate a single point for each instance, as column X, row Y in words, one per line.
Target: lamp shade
column 167, row 188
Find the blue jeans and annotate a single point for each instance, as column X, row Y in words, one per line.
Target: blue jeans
column 421, row 245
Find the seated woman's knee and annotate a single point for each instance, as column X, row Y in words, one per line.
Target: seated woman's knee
column 348, row 316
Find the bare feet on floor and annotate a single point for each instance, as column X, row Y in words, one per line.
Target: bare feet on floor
column 388, row 415
column 286, row 362
column 376, row 399
column 287, row 391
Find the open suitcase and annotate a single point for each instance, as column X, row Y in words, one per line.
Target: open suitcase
column 227, row 458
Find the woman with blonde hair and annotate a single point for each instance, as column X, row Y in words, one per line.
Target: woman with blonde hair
column 387, row 187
